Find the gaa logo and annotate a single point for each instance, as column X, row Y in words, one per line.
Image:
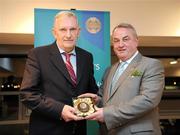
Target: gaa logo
column 93, row 25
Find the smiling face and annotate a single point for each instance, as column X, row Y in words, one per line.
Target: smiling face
column 125, row 43
column 66, row 31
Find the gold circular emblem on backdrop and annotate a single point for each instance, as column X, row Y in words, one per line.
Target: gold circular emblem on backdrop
column 93, row 25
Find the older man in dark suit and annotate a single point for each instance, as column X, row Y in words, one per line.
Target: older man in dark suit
column 55, row 74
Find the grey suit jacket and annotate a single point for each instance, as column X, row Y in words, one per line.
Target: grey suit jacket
column 132, row 108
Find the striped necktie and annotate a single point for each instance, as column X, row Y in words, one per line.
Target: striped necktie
column 70, row 68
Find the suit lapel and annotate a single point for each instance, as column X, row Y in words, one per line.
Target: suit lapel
column 111, row 74
column 109, row 81
column 79, row 64
column 125, row 74
column 57, row 60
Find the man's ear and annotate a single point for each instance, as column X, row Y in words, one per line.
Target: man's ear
column 54, row 32
column 136, row 41
column 79, row 30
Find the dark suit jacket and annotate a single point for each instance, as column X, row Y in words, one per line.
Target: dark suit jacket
column 47, row 87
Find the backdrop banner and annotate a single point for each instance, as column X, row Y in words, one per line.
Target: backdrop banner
column 94, row 37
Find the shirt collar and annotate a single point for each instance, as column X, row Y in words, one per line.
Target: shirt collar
column 130, row 59
column 73, row 52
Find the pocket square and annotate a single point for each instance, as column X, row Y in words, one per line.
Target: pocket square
column 136, row 73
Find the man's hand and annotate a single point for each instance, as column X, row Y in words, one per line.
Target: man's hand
column 94, row 97
column 98, row 115
column 68, row 114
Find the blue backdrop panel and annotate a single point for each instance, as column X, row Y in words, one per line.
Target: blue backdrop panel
column 94, row 37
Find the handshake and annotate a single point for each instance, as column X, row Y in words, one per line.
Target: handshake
column 84, row 107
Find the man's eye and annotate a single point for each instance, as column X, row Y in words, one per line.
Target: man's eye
column 62, row 30
column 72, row 29
column 115, row 40
column 125, row 39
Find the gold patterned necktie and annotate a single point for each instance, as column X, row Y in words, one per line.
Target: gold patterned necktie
column 70, row 68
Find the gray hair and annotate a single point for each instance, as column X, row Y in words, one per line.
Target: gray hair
column 127, row 26
column 65, row 13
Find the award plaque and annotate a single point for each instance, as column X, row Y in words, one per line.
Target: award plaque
column 83, row 106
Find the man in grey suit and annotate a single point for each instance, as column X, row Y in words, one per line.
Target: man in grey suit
column 131, row 89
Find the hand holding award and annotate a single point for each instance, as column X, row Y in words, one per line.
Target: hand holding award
column 84, row 106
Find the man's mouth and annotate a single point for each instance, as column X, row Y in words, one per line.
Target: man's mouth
column 68, row 40
column 121, row 50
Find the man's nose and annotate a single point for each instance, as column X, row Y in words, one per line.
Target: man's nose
column 68, row 33
column 121, row 44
